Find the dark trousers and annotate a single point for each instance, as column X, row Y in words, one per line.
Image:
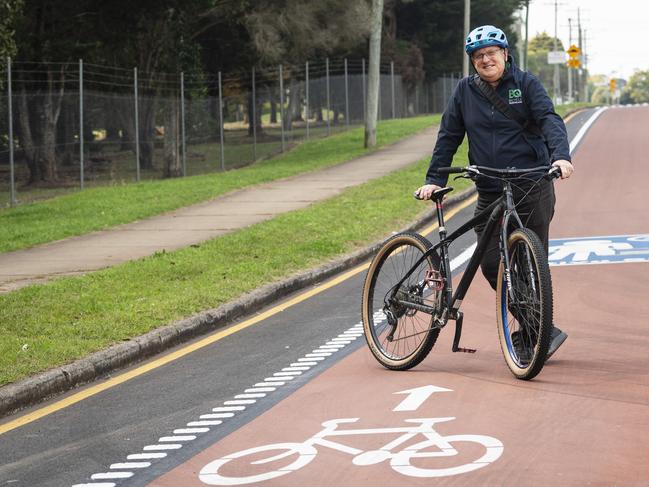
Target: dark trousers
column 535, row 208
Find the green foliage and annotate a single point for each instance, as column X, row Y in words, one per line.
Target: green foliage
column 9, row 11
column 48, row 325
column 537, row 61
column 100, row 208
column 637, row 88
column 436, row 27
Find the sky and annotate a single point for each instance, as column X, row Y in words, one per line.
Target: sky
column 617, row 31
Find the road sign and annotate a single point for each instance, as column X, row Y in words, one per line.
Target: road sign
column 573, row 51
column 556, row 57
column 574, row 63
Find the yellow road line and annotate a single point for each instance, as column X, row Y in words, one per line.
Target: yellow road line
column 170, row 357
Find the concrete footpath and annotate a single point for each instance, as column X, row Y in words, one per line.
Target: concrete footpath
column 203, row 221
column 185, row 227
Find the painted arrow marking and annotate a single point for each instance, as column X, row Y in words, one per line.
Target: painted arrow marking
column 417, row 396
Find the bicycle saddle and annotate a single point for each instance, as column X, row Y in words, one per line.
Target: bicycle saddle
column 439, row 194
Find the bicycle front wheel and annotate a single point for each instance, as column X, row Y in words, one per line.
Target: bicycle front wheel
column 524, row 308
column 398, row 335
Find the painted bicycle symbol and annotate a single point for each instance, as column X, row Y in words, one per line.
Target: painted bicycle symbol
column 301, row 454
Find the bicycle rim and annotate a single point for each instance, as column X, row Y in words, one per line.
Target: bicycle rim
column 525, row 310
column 406, row 343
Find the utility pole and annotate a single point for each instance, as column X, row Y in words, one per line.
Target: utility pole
column 585, row 58
column 582, row 85
column 527, row 20
column 569, row 68
column 467, row 26
column 376, row 20
column 556, row 66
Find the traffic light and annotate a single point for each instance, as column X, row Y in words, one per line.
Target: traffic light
column 612, row 85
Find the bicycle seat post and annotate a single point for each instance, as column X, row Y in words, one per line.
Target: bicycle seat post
column 438, row 197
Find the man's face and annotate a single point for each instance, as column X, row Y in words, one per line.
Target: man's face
column 489, row 62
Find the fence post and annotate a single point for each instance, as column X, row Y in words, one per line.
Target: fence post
column 281, row 104
column 137, row 130
column 364, row 90
column 254, row 117
column 81, row 176
column 12, row 169
column 328, row 97
column 392, row 76
column 306, row 115
column 346, row 96
column 221, row 123
column 182, row 122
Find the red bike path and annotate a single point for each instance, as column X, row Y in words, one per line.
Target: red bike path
column 582, row 421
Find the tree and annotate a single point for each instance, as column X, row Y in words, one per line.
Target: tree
column 46, row 31
column 292, row 32
column 373, row 73
column 538, row 49
column 435, row 27
column 637, row 88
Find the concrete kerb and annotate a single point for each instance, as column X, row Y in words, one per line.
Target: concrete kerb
column 31, row 391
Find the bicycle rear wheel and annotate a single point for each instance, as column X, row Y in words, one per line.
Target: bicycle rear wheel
column 525, row 311
column 403, row 340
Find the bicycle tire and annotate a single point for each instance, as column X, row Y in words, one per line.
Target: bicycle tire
column 414, row 336
column 525, row 317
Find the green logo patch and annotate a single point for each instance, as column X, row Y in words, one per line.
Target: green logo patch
column 515, row 96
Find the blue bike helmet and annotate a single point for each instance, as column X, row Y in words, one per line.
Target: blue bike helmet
column 485, row 36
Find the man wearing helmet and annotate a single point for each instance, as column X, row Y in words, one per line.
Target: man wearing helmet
column 499, row 141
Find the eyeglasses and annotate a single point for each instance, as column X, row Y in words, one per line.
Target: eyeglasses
column 490, row 53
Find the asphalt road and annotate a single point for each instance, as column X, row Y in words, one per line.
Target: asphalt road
column 147, row 427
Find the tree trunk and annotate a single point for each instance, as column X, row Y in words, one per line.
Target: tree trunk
column 373, row 74
column 273, row 106
column 172, row 161
column 294, row 104
column 148, row 106
column 257, row 115
column 26, row 139
column 38, row 122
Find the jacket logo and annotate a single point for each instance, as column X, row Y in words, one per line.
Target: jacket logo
column 515, row 96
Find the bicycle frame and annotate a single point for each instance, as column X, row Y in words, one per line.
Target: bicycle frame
column 498, row 215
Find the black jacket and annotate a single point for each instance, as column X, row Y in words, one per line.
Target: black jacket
column 495, row 140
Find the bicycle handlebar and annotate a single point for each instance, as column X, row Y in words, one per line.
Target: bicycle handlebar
column 552, row 172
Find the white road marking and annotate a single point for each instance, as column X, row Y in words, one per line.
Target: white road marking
column 230, row 407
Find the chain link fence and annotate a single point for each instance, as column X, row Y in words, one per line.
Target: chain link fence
column 65, row 127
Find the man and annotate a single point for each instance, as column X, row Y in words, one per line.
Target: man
column 499, row 141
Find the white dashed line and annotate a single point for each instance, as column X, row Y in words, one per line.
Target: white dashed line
column 228, row 410
column 127, row 465
column 174, row 446
column 111, row 475
column 146, row 456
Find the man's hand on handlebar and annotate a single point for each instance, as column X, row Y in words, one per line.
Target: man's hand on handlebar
column 426, row 191
column 566, row 168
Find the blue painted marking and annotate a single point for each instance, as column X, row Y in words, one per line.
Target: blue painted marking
column 599, row 250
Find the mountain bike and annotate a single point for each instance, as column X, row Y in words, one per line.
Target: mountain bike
column 408, row 291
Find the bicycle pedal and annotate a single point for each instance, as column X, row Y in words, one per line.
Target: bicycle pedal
column 466, row 350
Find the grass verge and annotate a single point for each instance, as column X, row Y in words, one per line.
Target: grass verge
column 108, row 206
column 48, row 325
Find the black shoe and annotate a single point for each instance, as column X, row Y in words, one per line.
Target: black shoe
column 522, row 350
column 558, row 337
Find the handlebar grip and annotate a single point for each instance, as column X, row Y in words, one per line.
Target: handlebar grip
column 449, row 170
